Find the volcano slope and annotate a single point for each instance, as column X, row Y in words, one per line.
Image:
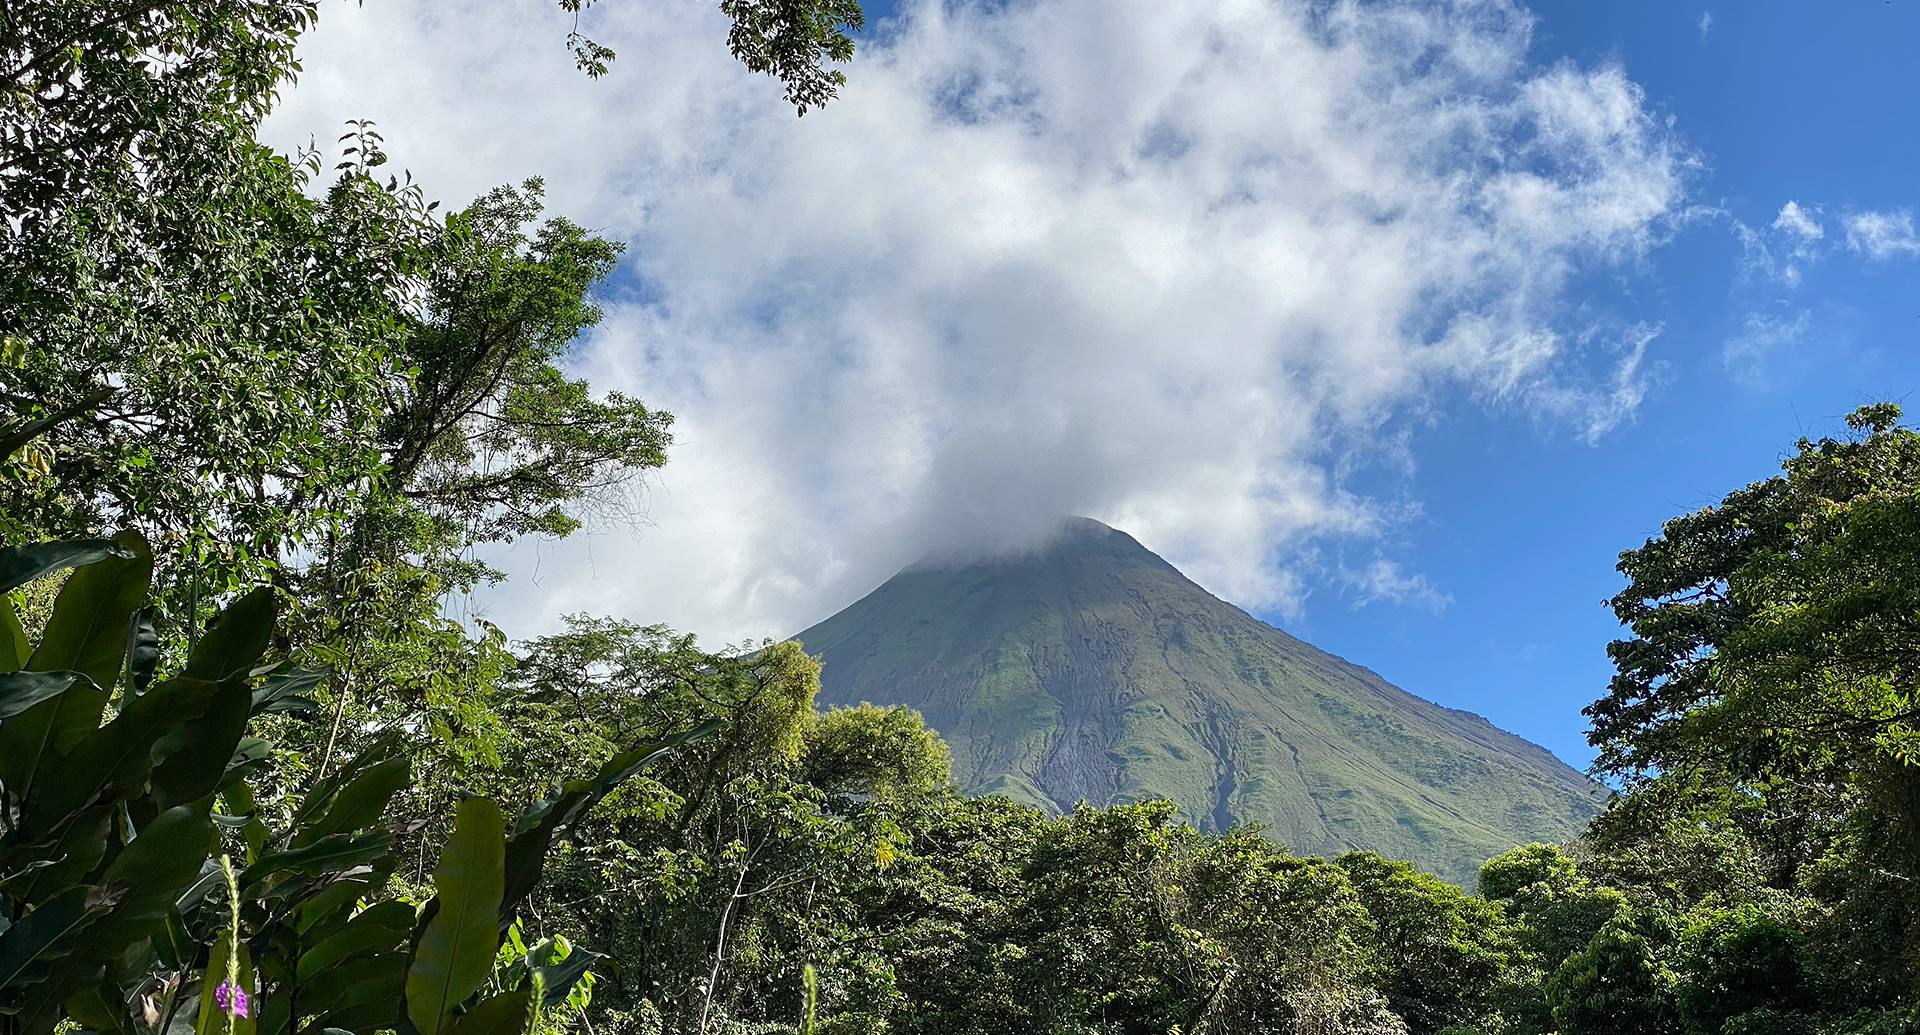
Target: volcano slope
column 1093, row 670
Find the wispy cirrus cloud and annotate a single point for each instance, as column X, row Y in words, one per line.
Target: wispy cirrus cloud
column 1782, row 250
column 1763, row 336
column 1882, row 235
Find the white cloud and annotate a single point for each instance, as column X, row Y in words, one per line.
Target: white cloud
column 1882, row 235
column 1781, row 251
column 1799, row 223
column 1384, row 581
column 1168, row 265
column 1706, row 23
column 1762, row 337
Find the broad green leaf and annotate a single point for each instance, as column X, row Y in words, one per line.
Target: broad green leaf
column 374, row 1009
column 20, row 691
column 191, row 761
column 456, row 952
column 13, row 639
column 328, row 854
column 147, row 876
column 247, row 753
column 20, row 565
column 118, row 757
column 285, row 682
column 212, row 1020
column 534, row 831
column 380, row 928
column 87, row 633
column 558, row 976
column 358, row 803
column 320, row 795
column 326, row 910
column 29, row 947
column 235, row 638
column 174, row 945
column 503, row 1014
column 377, row 981
column 99, row 1009
column 143, row 651
column 239, row 800
column 71, row 852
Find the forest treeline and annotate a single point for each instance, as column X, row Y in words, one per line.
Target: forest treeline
column 266, row 413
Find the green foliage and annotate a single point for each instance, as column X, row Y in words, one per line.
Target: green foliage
column 1760, row 715
column 114, row 905
column 1442, row 954
column 887, row 752
column 793, row 41
column 1766, row 638
column 1617, row 982
column 457, row 948
column 1742, row 961
column 312, row 381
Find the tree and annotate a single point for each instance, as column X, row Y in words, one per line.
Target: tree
column 868, row 750
column 1441, row 954
column 232, row 362
column 482, row 437
column 1556, row 910
column 1617, row 982
column 1768, row 629
column 1739, row 960
column 1769, row 687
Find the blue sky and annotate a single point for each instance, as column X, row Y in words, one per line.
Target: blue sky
column 1393, row 322
column 1782, row 101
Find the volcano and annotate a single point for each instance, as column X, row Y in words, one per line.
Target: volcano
column 1092, row 670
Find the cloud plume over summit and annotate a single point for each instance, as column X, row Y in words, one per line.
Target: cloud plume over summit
column 1177, row 266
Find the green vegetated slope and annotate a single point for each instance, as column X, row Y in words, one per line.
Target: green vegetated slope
column 1093, row 670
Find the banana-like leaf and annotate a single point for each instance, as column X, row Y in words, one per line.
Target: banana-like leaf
column 100, row 1009
column 328, row 854
column 118, row 757
column 20, row 691
column 235, row 638
column 13, row 638
column 456, row 952
column 329, row 902
column 557, row 977
column 20, row 565
column 174, row 945
column 29, row 948
column 239, row 800
column 143, row 651
column 536, row 828
column 359, row 803
column 320, row 795
column 87, row 633
column 247, row 753
column 191, row 761
column 148, row 874
column 377, row 929
column 376, row 982
column 283, row 683
column 508, row 1013
column 65, row 856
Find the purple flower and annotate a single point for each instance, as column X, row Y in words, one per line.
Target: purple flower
column 231, row 999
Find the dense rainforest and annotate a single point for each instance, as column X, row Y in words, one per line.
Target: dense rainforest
column 265, row 413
